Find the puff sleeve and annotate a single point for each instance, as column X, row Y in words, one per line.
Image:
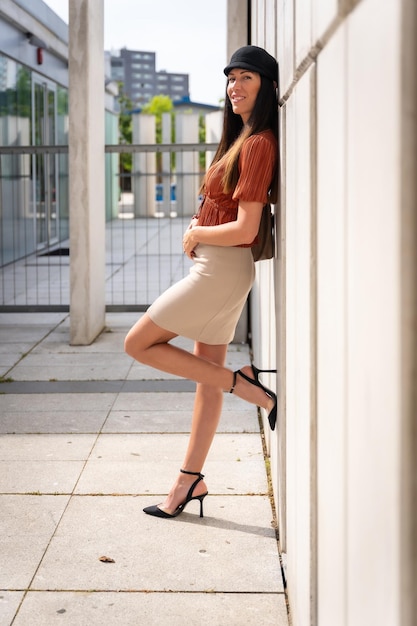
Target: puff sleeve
column 257, row 162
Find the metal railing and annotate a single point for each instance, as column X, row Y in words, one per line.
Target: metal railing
column 143, row 226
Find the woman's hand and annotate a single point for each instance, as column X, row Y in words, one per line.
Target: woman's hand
column 189, row 240
column 194, row 222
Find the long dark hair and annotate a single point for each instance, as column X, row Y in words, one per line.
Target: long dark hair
column 263, row 117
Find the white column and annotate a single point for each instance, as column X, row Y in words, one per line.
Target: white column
column 187, row 166
column 144, row 166
column 237, row 26
column 166, row 166
column 86, row 170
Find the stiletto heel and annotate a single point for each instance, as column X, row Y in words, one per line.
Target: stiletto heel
column 256, row 371
column 157, row 512
column 272, row 417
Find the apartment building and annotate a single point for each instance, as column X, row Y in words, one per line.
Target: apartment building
column 136, row 69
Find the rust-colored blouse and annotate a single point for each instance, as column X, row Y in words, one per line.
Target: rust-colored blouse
column 257, row 162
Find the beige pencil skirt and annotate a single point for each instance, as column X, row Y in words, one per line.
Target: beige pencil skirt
column 206, row 305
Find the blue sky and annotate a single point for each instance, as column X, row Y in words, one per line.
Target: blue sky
column 186, row 36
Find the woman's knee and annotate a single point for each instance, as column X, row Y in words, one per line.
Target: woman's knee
column 131, row 344
column 135, row 343
column 142, row 336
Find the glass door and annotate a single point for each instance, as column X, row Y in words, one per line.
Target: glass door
column 44, row 165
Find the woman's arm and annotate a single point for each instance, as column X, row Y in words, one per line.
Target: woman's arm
column 241, row 231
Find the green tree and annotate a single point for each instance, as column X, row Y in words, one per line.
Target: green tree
column 17, row 100
column 202, row 139
column 125, row 138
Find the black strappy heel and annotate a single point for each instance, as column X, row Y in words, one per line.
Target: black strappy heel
column 272, row 417
column 157, row 512
column 257, row 371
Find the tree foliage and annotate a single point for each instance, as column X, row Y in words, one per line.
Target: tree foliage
column 125, row 117
column 125, row 137
column 157, row 106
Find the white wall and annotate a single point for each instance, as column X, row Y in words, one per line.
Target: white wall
column 343, row 316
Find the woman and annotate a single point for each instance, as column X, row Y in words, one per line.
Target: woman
column 206, row 305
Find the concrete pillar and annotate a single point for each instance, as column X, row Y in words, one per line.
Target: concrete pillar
column 86, row 170
column 144, row 166
column 237, row 26
column 187, row 165
column 167, row 207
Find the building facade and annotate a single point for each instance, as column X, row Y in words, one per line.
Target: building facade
column 136, row 69
column 336, row 311
column 33, row 114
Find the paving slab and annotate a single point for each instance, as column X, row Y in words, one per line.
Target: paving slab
column 28, row 332
column 167, row 421
column 42, row 463
column 58, row 342
column 152, row 554
column 27, row 524
column 32, row 422
column 71, row 367
column 32, row 320
column 10, row 353
column 153, row 609
column 9, row 602
column 49, row 477
column 174, row 401
column 55, row 403
column 128, row 464
column 170, row 447
column 46, row 447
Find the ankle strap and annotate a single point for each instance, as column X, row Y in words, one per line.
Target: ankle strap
column 232, row 388
column 192, row 473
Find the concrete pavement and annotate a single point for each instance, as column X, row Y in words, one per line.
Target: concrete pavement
column 89, row 437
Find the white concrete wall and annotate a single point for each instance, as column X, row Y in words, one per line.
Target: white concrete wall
column 341, row 325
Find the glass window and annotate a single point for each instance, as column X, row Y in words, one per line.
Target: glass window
column 34, row 189
column 16, row 222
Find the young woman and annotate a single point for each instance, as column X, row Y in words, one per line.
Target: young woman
column 206, row 305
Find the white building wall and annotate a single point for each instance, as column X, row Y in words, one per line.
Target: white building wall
column 341, row 325
column 331, row 323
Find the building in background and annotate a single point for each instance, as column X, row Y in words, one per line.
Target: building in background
column 34, row 211
column 136, row 69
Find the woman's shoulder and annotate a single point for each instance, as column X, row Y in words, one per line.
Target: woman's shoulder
column 264, row 142
column 266, row 137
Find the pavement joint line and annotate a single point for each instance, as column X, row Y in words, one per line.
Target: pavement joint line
column 148, row 591
column 95, row 386
column 261, row 494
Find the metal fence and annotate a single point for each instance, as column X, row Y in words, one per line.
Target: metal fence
column 144, row 226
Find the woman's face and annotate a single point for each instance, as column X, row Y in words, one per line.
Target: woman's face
column 242, row 89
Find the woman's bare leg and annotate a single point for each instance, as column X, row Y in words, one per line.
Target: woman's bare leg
column 206, row 415
column 148, row 343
